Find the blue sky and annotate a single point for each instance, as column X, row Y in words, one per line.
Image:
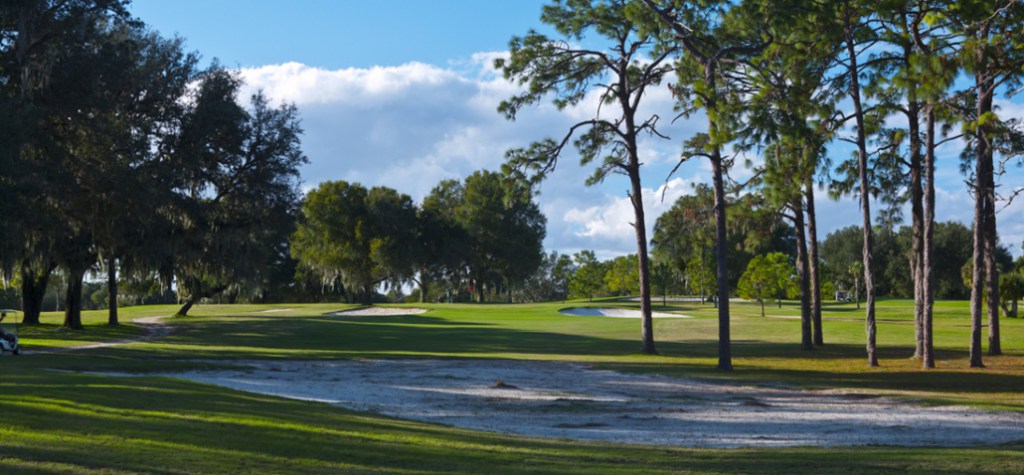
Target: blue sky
column 341, row 33
column 403, row 94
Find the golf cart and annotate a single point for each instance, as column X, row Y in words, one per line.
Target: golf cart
column 8, row 334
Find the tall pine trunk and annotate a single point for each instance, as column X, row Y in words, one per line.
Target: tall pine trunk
column 812, row 257
column 643, row 263
column 927, row 251
column 991, row 266
column 981, row 217
column 870, row 328
column 977, row 274
column 917, row 223
column 112, row 291
column 806, row 338
column 721, row 251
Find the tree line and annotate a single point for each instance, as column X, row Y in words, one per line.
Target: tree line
column 121, row 156
column 784, row 81
column 477, row 240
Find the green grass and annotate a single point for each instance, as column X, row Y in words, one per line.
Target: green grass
column 54, row 420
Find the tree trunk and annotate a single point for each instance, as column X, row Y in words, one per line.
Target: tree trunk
column 927, row 251
column 112, row 291
column 991, row 267
column 643, row 263
column 73, row 307
column 980, row 227
column 31, row 300
column 183, row 311
column 806, row 338
column 977, row 277
column 991, row 241
column 33, row 290
column 985, row 271
column 812, row 248
column 762, row 307
column 917, row 223
column 423, row 288
column 721, row 252
column 865, row 198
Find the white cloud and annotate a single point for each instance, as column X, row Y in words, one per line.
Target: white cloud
column 409, row 126
column 612, row 220
column 412, row 125
column 302, row 85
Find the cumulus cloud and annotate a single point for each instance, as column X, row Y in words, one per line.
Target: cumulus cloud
column 412, row 125
column 608, row 225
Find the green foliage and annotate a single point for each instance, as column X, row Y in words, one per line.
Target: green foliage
column 237, row 188
column 685, row 234
column 665, row 279
column 355, row 237
column 842, row 249
column 443, row 242
column 474, row 233
column 505, row 232
column 700, row 274
column 589, row 275
column 1011, row 290
column 550, row 282
column 768, row 276
column 828, row 291
column 622, row 276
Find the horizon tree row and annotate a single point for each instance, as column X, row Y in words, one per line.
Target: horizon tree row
column 471, row 239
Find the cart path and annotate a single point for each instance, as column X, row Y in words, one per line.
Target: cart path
column 153, row 328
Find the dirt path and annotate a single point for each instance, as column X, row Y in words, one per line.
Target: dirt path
column 152, row 328
column 568, row 400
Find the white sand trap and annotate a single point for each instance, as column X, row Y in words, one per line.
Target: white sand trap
column 615, row 312
column 556, row 399
column 379, row 311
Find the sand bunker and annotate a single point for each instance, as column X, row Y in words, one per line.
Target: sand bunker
column 379, row 311
column 614, row 312
column 555, row 399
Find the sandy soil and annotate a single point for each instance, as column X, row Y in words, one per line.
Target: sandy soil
column 379, row 311
column 553, row 399
column 615, row 312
